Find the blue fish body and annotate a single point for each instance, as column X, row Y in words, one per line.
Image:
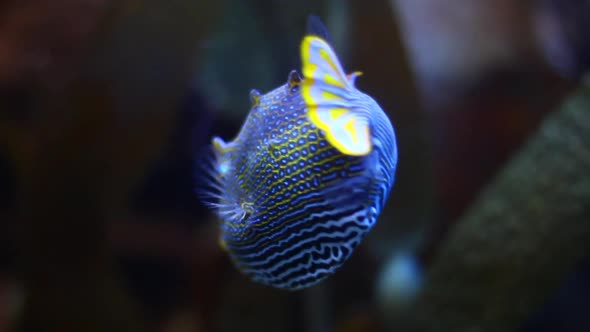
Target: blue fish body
column 306, row 177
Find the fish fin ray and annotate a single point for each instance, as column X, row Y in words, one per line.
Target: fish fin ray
column 211, row 167
column 329, row 96
column 208, row 187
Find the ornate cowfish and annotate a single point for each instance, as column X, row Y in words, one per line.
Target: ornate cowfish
column 307, row 175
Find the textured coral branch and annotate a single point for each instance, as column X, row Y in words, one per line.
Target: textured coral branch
column 525, row 232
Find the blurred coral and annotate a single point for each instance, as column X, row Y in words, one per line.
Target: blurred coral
column 521, row 237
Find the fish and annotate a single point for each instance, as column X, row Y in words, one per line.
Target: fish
column 307, row 175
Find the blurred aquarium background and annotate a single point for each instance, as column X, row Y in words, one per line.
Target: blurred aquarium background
column 106, row 105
